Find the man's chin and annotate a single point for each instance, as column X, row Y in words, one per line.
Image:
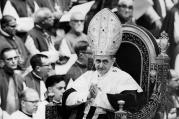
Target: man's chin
column 35, row 110
column 101, row 72
column 14, row 67
column 79, row 30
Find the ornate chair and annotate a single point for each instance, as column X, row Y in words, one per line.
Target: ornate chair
column 140, row 56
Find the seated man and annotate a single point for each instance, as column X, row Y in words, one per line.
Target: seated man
column 42, row 68
column 29, row 104
column 55, row 88
column 11, row 83
column 83, row 52
column 125, row 11
column 22, row 11
column 74, row 35
column 100, row 90
column 40, row 38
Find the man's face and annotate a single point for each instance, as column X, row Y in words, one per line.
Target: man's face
column 48, row 20
column 58, row 90
column 125, row 9
column 30, row 104
column 11, row 27
column 77, row 23
column 103, row 63
column 11, row 59
column 45, row 68
column 86, row 56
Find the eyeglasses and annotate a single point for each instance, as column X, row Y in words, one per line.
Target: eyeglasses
column 46, row 65
column 12, row 26
column 33, row 102
column 130, row 7
column 76, row 21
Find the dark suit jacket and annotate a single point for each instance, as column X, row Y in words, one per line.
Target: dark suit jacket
column 38, row 36
column 32, row 81
column 4, row 84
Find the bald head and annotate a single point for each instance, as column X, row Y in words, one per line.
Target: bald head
column 29, row 101
column 44, row 17
column 41, row 14
column 28, row 93
column 77, row 22
column 131, row 2
column 125, row 10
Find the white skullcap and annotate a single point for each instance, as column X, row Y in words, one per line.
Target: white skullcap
column 125, row 1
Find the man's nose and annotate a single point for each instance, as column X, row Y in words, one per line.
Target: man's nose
column 101, row 64
column 14, row 60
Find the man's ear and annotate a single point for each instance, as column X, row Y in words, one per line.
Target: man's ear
column 50, row 90
column 80, row 54
column 37, row 68
column 4, row 28
column 22, row 103
column 2, row 63
column 42, row 22
column 114, row 60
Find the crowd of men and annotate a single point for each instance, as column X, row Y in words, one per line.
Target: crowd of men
column 40, row 56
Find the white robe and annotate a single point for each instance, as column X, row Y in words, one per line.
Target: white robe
column 19, row 115
column 40, row 114
column 114, row 82
column 4, row 114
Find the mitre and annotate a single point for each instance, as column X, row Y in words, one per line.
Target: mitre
column 105, row 33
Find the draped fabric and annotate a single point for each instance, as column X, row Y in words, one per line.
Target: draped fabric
column 114, row 82
column 12, row 97
column 4, row 79
column 37, row 83
column 19, row 115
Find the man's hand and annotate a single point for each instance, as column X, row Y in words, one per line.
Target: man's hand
column 93, row 91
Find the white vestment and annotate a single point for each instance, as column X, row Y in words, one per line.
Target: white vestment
column 40, row 114
column 114, row 81
column 19, row 115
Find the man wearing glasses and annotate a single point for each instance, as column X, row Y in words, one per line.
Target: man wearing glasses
column 11, row 84
column 84, row 54
column 41, row 70
column 29, row 104
column 76, row 32
column 125, row 11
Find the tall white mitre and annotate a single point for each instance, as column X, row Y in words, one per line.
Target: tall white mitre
column 105, row 33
